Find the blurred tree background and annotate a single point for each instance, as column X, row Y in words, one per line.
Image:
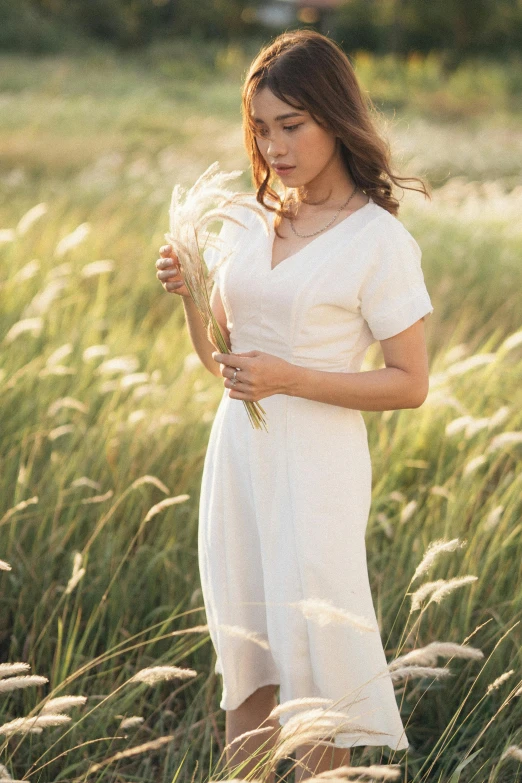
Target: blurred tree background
column 457, row 28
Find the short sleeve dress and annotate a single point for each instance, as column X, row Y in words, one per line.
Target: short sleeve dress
column 283, row 513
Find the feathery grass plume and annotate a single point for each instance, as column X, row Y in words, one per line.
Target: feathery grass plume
column 315, row 725
column 35, row 724
column 154, row 674
column 4, row 566
column 97, row 498
column 247, row 734
column 28, row 271
column 190, row 213
column 73, row 239
column 77, row 573
column 498, row 682
column 407, row 511
column 150, row 480
column 194, row 629
column 7, row 235
column 459, row 424
column 97, row 268
column 66, row 402
column 84, row 481
column 30, row 217
column 504, row 439
column 133, row 379
column 449, row 586
column 499, row 416
column 122, row 364
column 476, row 425
column 419, row 671
column 23, row 681
column 513, row 752
column 62, row 704
column 432, row 552
column 5, row 776
column 7, row 669
column 32, row 325
column 478, row 360
column 59, row 432
column 137, row 749
column 427, row 656
column 244, row 633
column 513, row 341
column 165, row 504
column 59, row 354
column 493, row 518
column 472, row 464
column 132, row 722
column 56, row 369
column 373, row 771
column 94, row 352
column 423, row 592
column 324, row 612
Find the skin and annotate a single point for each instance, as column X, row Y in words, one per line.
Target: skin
column 323, row 181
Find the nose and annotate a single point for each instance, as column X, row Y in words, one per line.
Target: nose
column 275, row 147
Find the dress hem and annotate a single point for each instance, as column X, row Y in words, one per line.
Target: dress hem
column 269, row 681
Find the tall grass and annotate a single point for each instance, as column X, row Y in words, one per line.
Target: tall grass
column 99, row 387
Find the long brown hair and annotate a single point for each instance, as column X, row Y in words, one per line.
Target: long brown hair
column 310, row 72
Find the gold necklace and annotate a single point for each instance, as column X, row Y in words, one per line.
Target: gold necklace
column 314, row 233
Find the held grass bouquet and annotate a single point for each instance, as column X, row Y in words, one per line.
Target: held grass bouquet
column 190, row 214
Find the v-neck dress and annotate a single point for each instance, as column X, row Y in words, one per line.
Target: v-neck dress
column 283, row 513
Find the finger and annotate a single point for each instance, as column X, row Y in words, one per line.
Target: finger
column 237, row 395
column 167, row 274
column 172, row 286
column 165, row 263
column 166, row 250
column 231, row 359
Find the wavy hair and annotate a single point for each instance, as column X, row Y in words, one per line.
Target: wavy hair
column 310, row 72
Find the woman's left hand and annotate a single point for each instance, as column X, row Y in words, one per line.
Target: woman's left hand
column 260, row 374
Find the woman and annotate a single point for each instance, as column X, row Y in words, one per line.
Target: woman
column 283, row 514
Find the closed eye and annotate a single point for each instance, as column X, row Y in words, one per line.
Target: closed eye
column 292, row 127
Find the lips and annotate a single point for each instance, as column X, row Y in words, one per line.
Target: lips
column 283, row 169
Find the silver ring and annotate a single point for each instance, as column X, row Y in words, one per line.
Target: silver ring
column 234, row 378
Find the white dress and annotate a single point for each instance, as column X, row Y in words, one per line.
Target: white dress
column 283, row 513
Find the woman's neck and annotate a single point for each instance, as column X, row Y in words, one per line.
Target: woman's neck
column 329, row 190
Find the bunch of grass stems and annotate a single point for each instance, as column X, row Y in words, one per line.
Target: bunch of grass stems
column 190, row 214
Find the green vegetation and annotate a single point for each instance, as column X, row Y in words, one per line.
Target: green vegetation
column 99, row 387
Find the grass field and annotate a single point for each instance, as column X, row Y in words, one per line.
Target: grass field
column 105, row 411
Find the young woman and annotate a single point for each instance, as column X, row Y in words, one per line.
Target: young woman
column 283, row 514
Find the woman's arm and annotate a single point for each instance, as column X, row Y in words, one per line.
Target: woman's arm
column 199, row 337
column 203, row 341
column 170, row 277
column 403, row 383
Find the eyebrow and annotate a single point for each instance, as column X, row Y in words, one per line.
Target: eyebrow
column 281, row 116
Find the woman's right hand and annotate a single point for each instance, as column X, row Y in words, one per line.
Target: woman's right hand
column 168, row 273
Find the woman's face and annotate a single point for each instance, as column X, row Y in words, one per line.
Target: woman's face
column 292, row 143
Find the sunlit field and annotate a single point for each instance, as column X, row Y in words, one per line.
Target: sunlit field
column 105, row 412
